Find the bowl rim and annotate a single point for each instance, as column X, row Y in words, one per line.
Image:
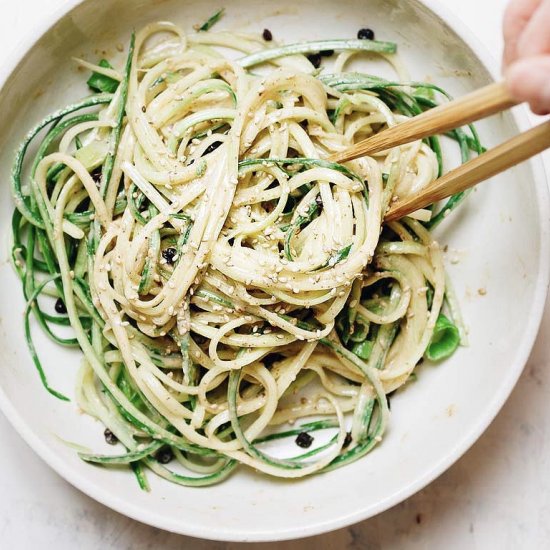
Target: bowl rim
column 121, row 505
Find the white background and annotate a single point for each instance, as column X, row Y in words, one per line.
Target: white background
column 496, row 497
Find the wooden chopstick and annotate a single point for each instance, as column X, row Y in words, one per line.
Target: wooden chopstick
column 486, row 165
column 484, row 102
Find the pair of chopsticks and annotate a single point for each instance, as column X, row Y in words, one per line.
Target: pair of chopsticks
column 484, row 102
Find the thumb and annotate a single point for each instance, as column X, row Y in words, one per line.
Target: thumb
column 529, row 80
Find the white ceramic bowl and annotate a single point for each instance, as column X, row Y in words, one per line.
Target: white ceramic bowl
column 500, row 239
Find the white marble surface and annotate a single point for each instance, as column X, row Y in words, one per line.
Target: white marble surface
column 496, row 497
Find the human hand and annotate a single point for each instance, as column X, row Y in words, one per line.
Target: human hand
column 526, row 62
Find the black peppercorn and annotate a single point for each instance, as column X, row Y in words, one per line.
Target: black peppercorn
column 164, row 455
column 169, row 254
column 110, row 437
column 365, row 34
column 60, row 306
column 304, row 440
column 315, row 59
column 267, row 36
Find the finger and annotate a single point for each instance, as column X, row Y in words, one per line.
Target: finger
column 517, row 16
column 539, row 108
column 535, row 38
column 529, row 80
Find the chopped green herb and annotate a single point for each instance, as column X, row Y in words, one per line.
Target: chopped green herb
column 340, row 256
column 101, row 83
column 210, row 22
column 363, row 349
column 445, row 340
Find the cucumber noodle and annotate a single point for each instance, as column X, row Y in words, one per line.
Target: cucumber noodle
column 221, row 278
